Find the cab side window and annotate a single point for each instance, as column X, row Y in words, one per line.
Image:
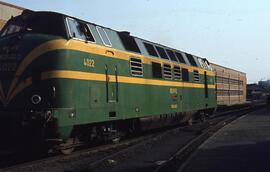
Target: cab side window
column 104, row 37
column 74, row 29
column 79, row 30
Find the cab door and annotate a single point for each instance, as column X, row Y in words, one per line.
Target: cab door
column 111, row 72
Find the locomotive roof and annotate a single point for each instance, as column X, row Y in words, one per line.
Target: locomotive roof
column 29, row 12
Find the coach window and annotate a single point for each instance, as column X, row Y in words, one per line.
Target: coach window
column 156, row 70
column 104, row 37
column 177, row 73
column 74, row 29
column 180, row 57
column 171, row 55
column 185, row 74
column 129, row 42
column 191, row 59
column 136, row 67
column 162, row 52
column 150, row 49
column 167, row 71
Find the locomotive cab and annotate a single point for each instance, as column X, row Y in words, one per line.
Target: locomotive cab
column 27, row 102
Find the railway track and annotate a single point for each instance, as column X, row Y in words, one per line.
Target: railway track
column 102, row 158
column 177, row 159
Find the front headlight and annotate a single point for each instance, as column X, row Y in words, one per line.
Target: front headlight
column 36, row 99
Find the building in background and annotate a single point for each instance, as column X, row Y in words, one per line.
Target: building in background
column 258, row 93
column 231, row 85
column 264, row 83
column 6, row 11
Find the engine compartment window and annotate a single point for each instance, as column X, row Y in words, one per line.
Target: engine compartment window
column 180, row 57
column 167, row 71
column 202, row 63
column 129, row 42
column 104, row 37
column 136, row 67
column 171, row 55
column 185, row 74
column 191, row 59
column 156, row 70
column 177, row 73
column 196, row 76
column 150, row 49
column 162, row 53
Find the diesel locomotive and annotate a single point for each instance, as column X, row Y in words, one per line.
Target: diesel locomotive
column 65, row 81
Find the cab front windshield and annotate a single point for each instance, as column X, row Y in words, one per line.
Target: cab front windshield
column 13, row 26
column 43, row 23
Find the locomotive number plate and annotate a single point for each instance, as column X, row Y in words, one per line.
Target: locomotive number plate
column 88, row 62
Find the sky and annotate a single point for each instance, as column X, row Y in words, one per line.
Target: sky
column 231, row 33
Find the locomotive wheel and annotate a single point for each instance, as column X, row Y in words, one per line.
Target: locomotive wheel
column 116, row 140
column 205, row 115
column 68, row 147
column 202, row 117
column 67, row 151
column 190, row 121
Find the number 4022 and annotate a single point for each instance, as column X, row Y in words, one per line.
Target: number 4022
column 88, row 62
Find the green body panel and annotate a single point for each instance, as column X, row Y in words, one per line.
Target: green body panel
column 88, row 99
column 91, row 106
column 77, row 101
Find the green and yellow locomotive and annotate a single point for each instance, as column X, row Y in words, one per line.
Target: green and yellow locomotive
column 67, row 80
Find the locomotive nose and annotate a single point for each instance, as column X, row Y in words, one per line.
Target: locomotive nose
column 9, row 58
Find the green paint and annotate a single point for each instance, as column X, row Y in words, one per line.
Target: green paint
column 92, row 101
